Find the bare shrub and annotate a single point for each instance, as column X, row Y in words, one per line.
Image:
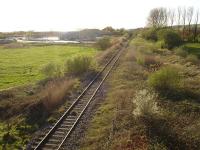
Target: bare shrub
column 145, row 102
column 55, row 92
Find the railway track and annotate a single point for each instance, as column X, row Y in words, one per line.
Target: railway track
column 62, row 129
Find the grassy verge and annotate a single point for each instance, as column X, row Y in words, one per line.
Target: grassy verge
column 150, row 105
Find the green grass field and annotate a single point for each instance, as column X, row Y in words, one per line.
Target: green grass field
column 193, row 48
column 20, row 66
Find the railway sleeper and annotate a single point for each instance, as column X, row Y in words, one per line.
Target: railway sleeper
column 60, row 132
column 54, row 140
column 70, row 120
column 62, row 129
column 81, row 105
column 57, row 136
column 66, row 126
column 72, row 117
column 67, row 122
column 50, row 145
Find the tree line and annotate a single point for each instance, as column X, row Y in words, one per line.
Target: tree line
column 185, row 20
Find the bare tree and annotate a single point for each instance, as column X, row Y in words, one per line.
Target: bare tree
column 190, row 12
column 157, row 17
column 153, row 18
column 171, row 16
column 184, row 13
column 196, row 24
column 179, row 14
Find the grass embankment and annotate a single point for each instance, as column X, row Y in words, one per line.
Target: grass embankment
column 153, row 103
column 23, row 65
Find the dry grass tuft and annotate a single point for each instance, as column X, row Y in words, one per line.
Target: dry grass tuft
column 55, row 92
column 145, row 102
column 151, row 62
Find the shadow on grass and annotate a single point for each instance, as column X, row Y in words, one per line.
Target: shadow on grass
column 164, row 130
column 180, row 94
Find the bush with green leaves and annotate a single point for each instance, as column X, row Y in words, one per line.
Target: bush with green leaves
column 167, row 80
column 78, row 65
column 51, row 70
column 181, row 52
column 103, row 43
column 171, row 39
column 162, row 32
column 150, row 34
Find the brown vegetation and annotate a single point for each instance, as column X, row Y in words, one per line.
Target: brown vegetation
column 55, row 92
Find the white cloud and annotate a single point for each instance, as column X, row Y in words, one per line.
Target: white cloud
column 68, row 15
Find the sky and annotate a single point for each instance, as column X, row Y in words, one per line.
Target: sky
column 69, row 15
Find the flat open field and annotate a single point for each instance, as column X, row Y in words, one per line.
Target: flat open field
column 20, row 66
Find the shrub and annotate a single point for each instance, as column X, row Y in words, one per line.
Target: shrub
column 51, row 70
column 166, row 81
column 145, row 102
column 150, row 35
column 103, row 43
column 181, row 52
column 171, row 39
column 192, row 58
column 78, row 65
column 151, row 60
column 162, row 32
column 147, row 60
